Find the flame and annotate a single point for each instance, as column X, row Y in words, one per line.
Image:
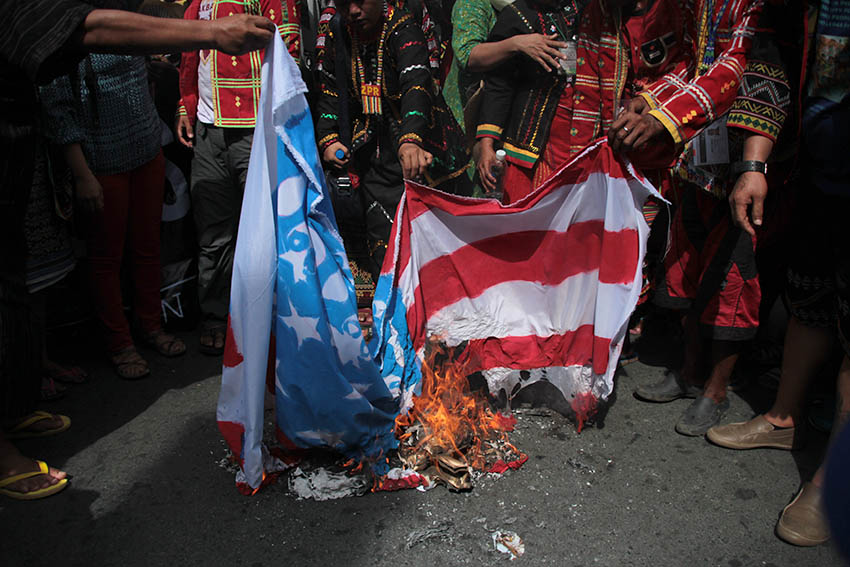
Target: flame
column 585, row 406
column 450, row 423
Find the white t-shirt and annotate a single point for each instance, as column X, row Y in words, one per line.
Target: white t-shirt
column 205, row 93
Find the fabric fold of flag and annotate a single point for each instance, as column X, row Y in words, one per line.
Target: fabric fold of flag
column 541, row 289
column 291, row 281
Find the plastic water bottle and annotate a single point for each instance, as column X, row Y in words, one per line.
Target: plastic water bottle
column 496, row 171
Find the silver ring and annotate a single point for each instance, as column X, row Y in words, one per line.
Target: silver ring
column 626, row 129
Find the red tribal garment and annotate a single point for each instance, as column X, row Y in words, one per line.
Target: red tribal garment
column 610, row 67
column 236, row 78
column 702, row 88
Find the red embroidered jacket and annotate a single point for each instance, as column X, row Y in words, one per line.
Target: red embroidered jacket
column 235, row 79
column 685, row 101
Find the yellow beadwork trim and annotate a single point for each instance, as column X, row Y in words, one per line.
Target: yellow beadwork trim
column 650, row 100
column 513, row 148
column 669, row 124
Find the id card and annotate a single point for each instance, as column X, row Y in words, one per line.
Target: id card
column 712, row 145
column 568, row 63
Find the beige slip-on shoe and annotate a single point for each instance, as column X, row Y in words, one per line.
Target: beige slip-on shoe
column 756, row 433
column 802, row 521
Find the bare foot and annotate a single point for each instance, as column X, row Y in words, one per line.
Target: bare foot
column 12, row 463
column 212, row 338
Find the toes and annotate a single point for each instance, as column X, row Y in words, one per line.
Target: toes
column 56, row 474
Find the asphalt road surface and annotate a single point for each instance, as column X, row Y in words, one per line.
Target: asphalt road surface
column 147, row 489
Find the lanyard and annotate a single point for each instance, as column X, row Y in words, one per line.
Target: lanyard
column 708, row 56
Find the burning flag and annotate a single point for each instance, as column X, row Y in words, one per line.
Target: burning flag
column 538, row 290
column 541, row 289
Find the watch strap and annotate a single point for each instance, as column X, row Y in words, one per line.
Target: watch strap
column 740, row 167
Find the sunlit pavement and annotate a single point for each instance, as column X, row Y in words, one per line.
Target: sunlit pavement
column 147, row 489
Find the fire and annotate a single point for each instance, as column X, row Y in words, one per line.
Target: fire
column 584, row 405
column 451, row 428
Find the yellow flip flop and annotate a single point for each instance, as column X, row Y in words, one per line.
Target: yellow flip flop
column 33, row 494
column 21, row 430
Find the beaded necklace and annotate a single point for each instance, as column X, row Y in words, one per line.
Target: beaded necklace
column 370, row 92
column 708, row 35
column 621, row 62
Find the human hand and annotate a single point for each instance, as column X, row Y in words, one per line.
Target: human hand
column 414, row 160
column 89, row 194
column 750, row 190
column 628, row 116
column 541, row 48
column 242, row 33
column 637, row 105
column 486, row 163
column 634, row 131
column 329, row 155
column 185, row 133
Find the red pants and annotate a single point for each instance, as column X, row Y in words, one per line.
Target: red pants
column 711, row 263
column 131, row 216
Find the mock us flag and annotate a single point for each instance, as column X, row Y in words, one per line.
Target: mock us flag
column 541, row 289
column 538, row 290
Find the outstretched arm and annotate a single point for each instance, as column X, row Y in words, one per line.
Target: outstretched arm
column 117, row 31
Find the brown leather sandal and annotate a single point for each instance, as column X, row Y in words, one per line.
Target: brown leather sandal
column 165, row 344
column 129, row 364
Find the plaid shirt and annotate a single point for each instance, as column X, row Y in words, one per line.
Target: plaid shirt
column 685, row 101
column 236, row 79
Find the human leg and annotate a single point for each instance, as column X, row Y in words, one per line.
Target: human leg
column 811, row 292
column 806, row 349
column 675, row 290
column 146, row 188
column 819, row 293
column 105, row 251
column 803, row 522
column 219, row 168
column 210, row 188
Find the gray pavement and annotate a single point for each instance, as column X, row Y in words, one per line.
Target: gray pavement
column 147, row 490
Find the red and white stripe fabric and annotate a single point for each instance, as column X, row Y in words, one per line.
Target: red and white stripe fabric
column 539, row 289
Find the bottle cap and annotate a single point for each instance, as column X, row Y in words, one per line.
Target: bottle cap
column 501, row 155
column 339, row 154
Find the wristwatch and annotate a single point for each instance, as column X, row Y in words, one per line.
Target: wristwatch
column 740, row 167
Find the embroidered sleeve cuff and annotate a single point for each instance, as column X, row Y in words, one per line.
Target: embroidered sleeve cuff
column 754, row 124
column 410, row 139
column 328, row 140
column 668, row 122
column 488, row 131
column 650, row 100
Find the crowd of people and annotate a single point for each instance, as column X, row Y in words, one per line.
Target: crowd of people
column 738, row 111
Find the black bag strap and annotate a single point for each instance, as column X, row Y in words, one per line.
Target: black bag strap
column 341, row 61
column 716, row 271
